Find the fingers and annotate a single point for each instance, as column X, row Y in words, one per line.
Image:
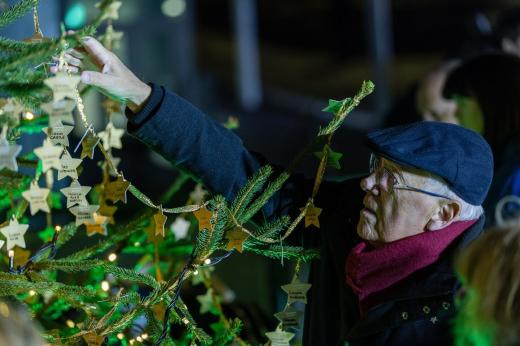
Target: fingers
column 100, row 54
column 72, row 60
column 76, row 53
column 71, row 69
column 99, row 80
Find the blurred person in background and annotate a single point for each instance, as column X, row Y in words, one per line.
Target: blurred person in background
column 17, row 328
column 489, row 312
column 486, row 92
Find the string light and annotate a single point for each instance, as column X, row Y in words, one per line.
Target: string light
column 112, row 257
column 120, row 336
column 4, row 309
column 207, row 261
column 28, row 116
column 139, row 339
column 196, row 272
column 57, row 228
column 105, row 286
column 32, row 292
column 144, row 336
column 132, row 341
column 185, row 320
column 70, row 324
column 137, row 244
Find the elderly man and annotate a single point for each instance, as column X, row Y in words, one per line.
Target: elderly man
column 392, row 283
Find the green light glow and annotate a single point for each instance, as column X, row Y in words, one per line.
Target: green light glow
column 76, row 16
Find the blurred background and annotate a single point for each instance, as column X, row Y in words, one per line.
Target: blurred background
column 273, row 65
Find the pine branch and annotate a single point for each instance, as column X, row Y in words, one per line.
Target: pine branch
column 17, row 11
column 253, row 185
column 277, row 251
column 271, row 189
column 271, row 229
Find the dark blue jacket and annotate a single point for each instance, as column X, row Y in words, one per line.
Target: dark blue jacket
column 422, row 307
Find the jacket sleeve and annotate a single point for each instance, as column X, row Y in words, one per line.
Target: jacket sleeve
column 189, row 139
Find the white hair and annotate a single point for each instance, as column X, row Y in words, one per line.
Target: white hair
column 439, row 186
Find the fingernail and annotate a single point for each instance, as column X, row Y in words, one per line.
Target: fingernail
column 85, row 77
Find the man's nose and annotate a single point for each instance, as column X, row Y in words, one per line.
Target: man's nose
column 369, row 184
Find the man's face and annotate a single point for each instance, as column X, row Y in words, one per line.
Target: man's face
column 391, row 214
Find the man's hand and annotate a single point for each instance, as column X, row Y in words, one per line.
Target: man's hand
column 115, row 79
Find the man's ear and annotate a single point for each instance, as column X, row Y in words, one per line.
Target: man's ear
column 443, row 216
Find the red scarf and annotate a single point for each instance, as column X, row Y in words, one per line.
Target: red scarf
column 372, row 270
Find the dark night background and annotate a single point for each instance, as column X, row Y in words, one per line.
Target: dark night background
column 298, row 53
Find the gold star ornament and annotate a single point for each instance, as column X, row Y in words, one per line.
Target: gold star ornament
column 8, row 154
column 311, row 215
column 84, row 214
column 76, row 194
column 116, row 190
column 203, row 215
column 279, row 337
column 111, row 137
column 49, row 155
column 37, row 198
column 63, row 85
column 89, row 145
column 69, row 166
column 296, row 291
column 92, row 339
column 14, row 234
column 236, row 238
column 159, row 220
column 99, row 226
column 58, row 133
column 59, row 111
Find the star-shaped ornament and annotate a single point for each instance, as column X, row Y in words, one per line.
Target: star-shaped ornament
column 159, row 220
column 180, row 228
column 289, row 318
column 14, row 233
column 279, row 337
column 8, row 154
column 296, row 291
column 203, row 215
column 37, row 198
column 10, row 113
column 69, row 166
column 98, row 227
column 111, row 11
column 108, row 211
column 111, row 137
column 60, row 111
column 116, row 190
column 198, row 194
column 76, row 194
column 206, row 301
column 58, row 133
column 63, row 85
column 311, row 215
column 88, row 145
column 84, row 214
column 111, row 39
column 333, row 157
column 111, row 106
column 236, row 238
column 21, row 256
column 49, row 155
column 92, row 339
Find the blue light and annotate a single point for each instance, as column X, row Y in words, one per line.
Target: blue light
column 76, row 16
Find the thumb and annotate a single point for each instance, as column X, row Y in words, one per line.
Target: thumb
column 99, row 80
column 100, row 54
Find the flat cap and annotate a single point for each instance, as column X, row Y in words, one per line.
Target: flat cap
column 458, row 155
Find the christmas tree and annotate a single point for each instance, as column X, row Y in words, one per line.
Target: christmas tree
column 84, row 295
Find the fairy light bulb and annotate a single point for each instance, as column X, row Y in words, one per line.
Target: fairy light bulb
column 105, row 286
column 112, row 257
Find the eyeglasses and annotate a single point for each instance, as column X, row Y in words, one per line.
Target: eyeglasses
column 380, row 171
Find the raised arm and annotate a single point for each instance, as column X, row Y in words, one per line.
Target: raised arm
column 169, row 124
